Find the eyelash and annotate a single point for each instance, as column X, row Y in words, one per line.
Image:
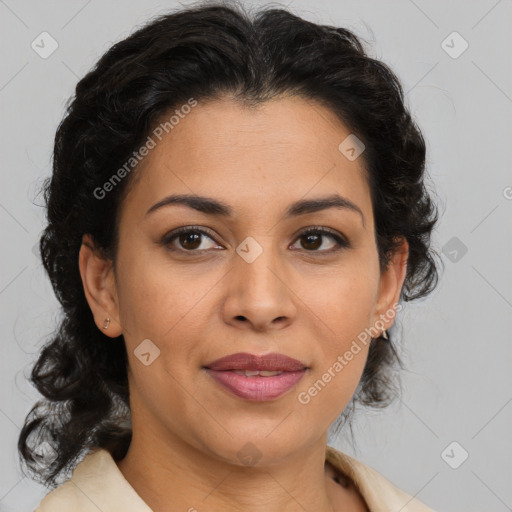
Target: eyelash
column 341, row 241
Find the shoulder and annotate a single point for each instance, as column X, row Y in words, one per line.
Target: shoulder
column 69, row 495
column 61, row 499
column 379, row 493
column 96, row 484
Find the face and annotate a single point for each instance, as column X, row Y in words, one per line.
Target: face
column 252, row 281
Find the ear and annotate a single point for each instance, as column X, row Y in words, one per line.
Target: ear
column 391, row 282
column 99, row 284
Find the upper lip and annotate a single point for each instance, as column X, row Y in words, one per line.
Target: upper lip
column 267, row 362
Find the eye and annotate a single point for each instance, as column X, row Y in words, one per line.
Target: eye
column 313, row 239
column 189, row 238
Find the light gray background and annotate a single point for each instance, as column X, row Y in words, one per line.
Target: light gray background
column 458, row 351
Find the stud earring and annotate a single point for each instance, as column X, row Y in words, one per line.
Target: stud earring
column 106, row 323
column 384, row 334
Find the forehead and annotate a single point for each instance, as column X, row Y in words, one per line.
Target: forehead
column 275, row 153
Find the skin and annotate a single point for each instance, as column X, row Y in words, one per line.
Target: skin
column 187, row 430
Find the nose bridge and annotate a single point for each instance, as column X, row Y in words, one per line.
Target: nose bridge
column 258, row 291
column 258, row 263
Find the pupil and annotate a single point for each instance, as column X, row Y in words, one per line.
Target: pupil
column 316, row 241
column 183, row 240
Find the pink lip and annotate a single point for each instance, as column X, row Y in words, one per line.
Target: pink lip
column 257, row 388
column 246, row 361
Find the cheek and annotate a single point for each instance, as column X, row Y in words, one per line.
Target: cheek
column 158, row 303
column 344, row 302
column 155, row 298
column 342, row 310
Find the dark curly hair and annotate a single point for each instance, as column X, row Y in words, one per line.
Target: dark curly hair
column 203, row 51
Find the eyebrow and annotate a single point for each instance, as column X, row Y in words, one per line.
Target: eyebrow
column 211, row 206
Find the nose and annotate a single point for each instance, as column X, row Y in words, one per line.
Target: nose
column 260, row 294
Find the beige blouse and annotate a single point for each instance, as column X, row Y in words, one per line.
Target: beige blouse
column 98, row 484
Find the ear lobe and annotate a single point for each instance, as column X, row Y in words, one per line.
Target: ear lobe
column 391, row 283
column 98, row 280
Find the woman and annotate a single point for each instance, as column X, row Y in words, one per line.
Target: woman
column 236, row 212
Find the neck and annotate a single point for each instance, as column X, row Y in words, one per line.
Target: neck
column 174, row 473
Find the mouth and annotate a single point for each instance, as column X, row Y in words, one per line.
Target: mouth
column 257, row 378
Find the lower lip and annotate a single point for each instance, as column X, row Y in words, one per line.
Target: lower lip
column 255, row 388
